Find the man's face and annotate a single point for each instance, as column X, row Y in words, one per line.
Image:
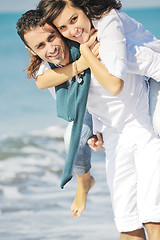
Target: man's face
column 47, row 43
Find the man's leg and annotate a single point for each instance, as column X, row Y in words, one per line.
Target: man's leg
column 85, row 183
column 138, row 234
column 153, row 230
column 82, row 166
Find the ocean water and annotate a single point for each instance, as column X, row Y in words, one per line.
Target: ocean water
column 32, row 205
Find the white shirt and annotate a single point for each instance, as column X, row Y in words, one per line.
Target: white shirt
column 125, row 46
column 111, row 112
column 44, row 67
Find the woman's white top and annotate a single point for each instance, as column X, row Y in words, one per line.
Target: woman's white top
column 113, row 112
column 125, row 46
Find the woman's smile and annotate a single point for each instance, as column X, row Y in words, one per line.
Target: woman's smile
column 73, row 24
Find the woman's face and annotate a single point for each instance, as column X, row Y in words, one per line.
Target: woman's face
column 73, row 24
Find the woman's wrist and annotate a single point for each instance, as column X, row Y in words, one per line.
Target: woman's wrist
column 83, row 48
column 81, row 64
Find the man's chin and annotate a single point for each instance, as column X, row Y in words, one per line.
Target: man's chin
column 56, row 61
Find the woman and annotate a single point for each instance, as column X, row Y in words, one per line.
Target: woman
column 121, row 112
column 126, row 47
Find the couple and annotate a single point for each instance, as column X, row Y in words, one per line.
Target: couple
column 118, row 103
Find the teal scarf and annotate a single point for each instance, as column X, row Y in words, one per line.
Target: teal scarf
column 71, row 105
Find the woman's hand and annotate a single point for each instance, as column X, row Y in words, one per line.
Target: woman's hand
column 112, row 83
column 95, row 50
column 90, row 43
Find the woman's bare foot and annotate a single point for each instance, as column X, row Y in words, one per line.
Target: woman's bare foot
column 85, row 183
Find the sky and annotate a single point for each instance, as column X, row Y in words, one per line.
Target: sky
column 24, row 5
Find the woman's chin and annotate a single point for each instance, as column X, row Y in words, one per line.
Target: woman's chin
column 82, row 39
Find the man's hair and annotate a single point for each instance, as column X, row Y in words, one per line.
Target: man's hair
column 94, row 10
column 30, row 20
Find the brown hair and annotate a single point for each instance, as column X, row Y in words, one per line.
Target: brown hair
column 94, row 9
column 30, row 20
column 33, row 66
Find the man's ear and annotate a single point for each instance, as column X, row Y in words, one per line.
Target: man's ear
column 31, row 51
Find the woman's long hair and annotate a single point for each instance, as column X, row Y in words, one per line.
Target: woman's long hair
column 92, row 8
column 33, row 66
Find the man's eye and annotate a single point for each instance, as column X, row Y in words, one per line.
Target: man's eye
column 40, row 46
column 51, row 38
column 62, row 28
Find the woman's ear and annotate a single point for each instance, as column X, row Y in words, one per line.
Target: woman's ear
column 31, row 51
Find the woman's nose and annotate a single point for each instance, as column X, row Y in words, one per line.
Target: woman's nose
column 72, row 31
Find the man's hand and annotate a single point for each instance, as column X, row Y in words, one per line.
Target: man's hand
column 95, row 142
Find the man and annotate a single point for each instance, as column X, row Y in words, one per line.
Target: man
column 45, row 43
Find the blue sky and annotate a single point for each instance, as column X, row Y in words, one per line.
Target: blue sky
column 24, row 5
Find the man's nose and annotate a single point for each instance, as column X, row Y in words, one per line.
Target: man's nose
column 51, row 47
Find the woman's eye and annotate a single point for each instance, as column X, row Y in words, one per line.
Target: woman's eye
column 74, row 19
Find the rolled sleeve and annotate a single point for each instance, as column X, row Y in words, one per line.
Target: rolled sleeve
column 112, row 51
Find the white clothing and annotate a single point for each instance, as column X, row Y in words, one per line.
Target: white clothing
column 124, row 121
column 125, row 46
column 110, row 112
column 133, row 174
column 44, row 67
column 154, row 104
column 132, row 151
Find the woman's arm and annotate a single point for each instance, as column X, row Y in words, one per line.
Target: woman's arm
column 113, row 84
column 54, row 77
